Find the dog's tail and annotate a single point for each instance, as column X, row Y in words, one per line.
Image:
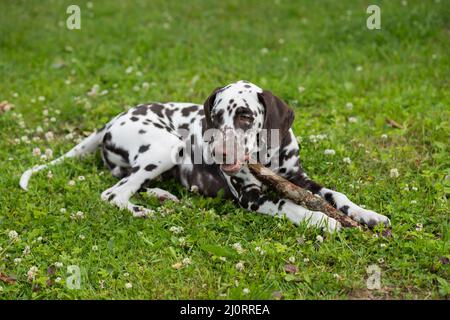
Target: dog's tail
column 88, row 145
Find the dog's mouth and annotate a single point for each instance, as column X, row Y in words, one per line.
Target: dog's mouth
column 231, row 169
column 235, row 167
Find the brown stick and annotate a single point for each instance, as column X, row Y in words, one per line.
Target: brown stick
column 300, row 196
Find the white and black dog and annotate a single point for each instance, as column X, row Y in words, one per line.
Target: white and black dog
column 173, row 140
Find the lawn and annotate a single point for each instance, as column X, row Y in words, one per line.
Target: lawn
column 342, row 79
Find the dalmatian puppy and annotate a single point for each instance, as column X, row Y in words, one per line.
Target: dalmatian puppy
column 207, row 148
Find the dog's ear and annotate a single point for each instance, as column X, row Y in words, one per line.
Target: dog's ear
column 207, row 106
column 278, row 114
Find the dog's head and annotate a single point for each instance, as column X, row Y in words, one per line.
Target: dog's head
column 242, row 117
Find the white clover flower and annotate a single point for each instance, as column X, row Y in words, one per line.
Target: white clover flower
column 94, row 90
column 49, row 136
column 186, row 261
column 381, row 260
column 136, row 88
column 305, row 260
column 383, row 245
column 39, row 239
column 349, row 105
column 104, row 92
column 126, row 274
column 319, row 238
column 49, row 153
column 336, row 276
column 36, row 152
column 25, row 139
column 240, row 266
column 63, row 210
column 52, row 119
column 246, row 290
column 301, row 89
column 352, row 119
column 41, row 98
column 347, row 160
column 17, row 260
column 43, row 157
column 394, row 173
column 384, row 136
column 264, row 51
column 58, row 264
column 223, row 259
column 292, row 259
column 329, row 152
column 194, row 188
column 413, row 202
column 81, row 178
column 32, row 272
column 128, row 285
column 129, row 70
column 414, row 188
column 26, row 251
column 419, row 227
column 281, row 41
column 237, row 246
column 58, row 280
column 13, row 235
column 71, row 183
column 359, row 68
column 94, row 248
column 176, row 229
column 49, row 174
column 145, row 85
column 82, row 236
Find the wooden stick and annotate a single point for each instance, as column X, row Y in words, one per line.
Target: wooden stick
column 301, row 196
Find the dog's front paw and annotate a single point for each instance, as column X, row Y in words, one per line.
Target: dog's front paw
column 328, row 224
column 369, row 217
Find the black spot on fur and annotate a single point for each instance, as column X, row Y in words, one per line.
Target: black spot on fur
column 112, row 196
column 144, row 148
column 119, row 151
column 142, row 131
column 371, row 223
column 150, row 167
column 344, row 209
column 157, row 108
column 186, row 111
column 140, row 110
column 330, row 200
column 107, row 137
column 134, row 119
column 135, row 169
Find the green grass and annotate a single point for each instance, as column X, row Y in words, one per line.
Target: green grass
column 184, row 49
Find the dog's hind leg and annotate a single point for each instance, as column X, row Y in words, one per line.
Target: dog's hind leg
column 147, row 167
column 88, row 145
